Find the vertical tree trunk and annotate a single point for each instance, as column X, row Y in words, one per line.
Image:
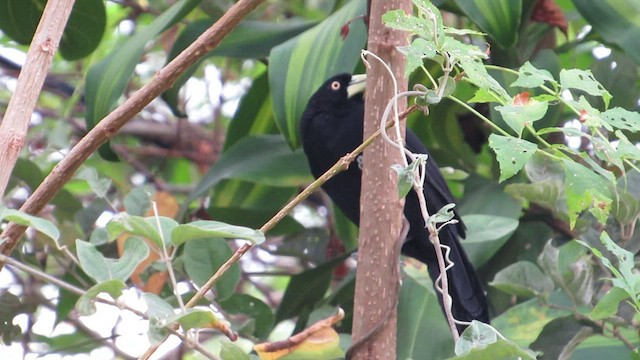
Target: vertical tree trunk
column 377, row 278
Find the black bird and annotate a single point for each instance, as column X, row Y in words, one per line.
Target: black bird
column 332, row 126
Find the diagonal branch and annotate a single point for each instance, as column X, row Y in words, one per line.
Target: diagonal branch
column 110, row 125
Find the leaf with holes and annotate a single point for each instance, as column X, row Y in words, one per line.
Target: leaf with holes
column 622, row 119
column 584, row 80
column 512, row 153
column 518, row 116
column 529, row 77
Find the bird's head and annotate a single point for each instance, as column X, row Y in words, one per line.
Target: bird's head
column 339, row 89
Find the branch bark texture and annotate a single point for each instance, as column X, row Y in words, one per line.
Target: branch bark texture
column 13, row 130
column 110, row 125
column 377, row 280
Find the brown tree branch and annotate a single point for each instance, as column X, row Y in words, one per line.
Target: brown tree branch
column 108, row 126
column 378, row 271
column 13, row 130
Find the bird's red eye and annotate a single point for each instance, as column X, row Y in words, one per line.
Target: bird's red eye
column 335, row 85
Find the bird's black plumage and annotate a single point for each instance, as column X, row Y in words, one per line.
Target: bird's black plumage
column 332, row 126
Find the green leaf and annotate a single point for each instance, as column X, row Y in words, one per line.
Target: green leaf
column 607, row 306
column 429, row 30
column 545, row 193
column 622, row 119
column 251, row 39
column 584, row 80
column 254, row 308
column 615, row 20
column 44, row 226
column 477, row 335
column 94, row 264
column 518, row 116
column 136, row 225
column 254, row 115
column 485, row 235
column 298, row 66
column 481, row 342
column 207, row 228
column 229, row 351
column 82, row 34
column 522, row 278
column 203, row 257
column 523, row 322
column 530, row 77
column 415, row 53
column 582, row 187
column 138, row 201
column 107, row 79
column 419, row 314
column 476, row 72
column 99, row 186
column 157, row 307
column 512, row 153
column 263, row 159
column 86, row 303
column 569, row 267
column 498, row 18
column 194, row 319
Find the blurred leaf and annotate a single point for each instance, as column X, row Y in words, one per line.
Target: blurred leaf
column 157, row 307
column 82, row 33
column 94, row 264
column 208, row 229
column 608, row 305
column 99, row 186
column 107, row 79
column 253, row 308
column 560, row 337
column 306, row 289
column 86, row 303
column 522, row 278
column 250, row 39
column 615, row 20
column 419, row 314
column 44, row 226
column 69, row 344
column 263, row 159
column 568, row 266
column 232, row 352
column 485, row 236
column 203, row 257
column 498, row 18
column 138, row 201
column 254, row 115
column 523, row 322
column 300, row 65
column 512, row 153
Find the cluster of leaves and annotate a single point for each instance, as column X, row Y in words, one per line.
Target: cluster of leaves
column 523, row 212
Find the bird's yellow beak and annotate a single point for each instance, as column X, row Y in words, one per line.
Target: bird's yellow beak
column 357, row 84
